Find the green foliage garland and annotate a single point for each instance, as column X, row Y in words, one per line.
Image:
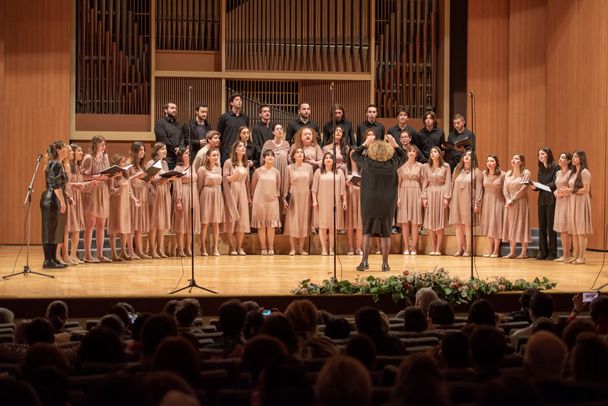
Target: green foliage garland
column 404, row 286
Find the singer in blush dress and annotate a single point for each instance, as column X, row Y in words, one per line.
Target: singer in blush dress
column 516, row 224
column 492, row 205
column 297, row 200
column 325, row 188
column 236, row 190
column 140, row 214
column 460, row 204
column 119, row 221
column 160, row 204
column 580, row 224
column 280, row 149
column 436, row 194
column 77, row 185
column 96, row 201
column 186, row 207
column 562, row 194
column 265, row 213
column 409, row 200
column 354, row 222
column 211, row 200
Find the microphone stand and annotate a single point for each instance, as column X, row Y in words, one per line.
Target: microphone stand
column 191, row 282
column 27, row 202
column 473, row 165
column 333, row 132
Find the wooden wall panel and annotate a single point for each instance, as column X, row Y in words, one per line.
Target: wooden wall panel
column 354, row 96
column 35, row 40
column 527, row 84
column 577, row 94
column 540, row 72
column 488, row 76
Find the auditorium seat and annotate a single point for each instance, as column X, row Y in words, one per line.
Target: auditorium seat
column 233, row 397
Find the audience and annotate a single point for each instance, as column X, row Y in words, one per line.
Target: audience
column 414, row 319
column 370, row 323
column 545, row 357
column 487, row 349
column 482, row 312
column 541, row 305
column 440, row 313
column 275, row 359
column 419, row 382
column 303, row 316
column 424, row 298
column 343, row 381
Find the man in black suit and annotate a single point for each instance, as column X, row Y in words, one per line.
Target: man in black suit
column 168, row 131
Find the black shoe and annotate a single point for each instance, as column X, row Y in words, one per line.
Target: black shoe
column 385, row 268
column 59, row 264
column 50, row 264
column 551, row 257
column 541, row 258
column 362, row 267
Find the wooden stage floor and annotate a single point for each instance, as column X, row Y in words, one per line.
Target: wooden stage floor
column 255, row 275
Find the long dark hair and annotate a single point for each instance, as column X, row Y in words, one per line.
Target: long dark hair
column 157, row 147
column 180, row 154
column 134, row 151
column 74, row 164
column 323, row 170
column 522, row 158
column 550, row 161
column 344, row 147
column 578, row 182
column 460, row 166
column 233, row 155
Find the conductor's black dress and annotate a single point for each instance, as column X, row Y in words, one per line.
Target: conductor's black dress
column 379, row 182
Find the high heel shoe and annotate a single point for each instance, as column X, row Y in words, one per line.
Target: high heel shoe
column 143, row 256
column 116, row 258
column 385, row 268
column 271, row 252
column 362, row 266
column 242, row 252
column 457, row 254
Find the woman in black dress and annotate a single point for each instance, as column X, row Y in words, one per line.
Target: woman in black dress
column 378, row 193
column 547, row 237
column 53, row 204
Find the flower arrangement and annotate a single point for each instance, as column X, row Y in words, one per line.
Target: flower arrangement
column 404, row 286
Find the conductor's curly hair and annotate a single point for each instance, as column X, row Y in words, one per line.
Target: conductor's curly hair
column 380, row 151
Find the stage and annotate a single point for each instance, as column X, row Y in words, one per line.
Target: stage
column 255, row 275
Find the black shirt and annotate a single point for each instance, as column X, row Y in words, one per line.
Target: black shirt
column 546, row 176
column 376, row 127
column 253, row 154
column 197, row 132
column 262, row 132
column 228, row 126
column 346, row 125
column 453, row 155
column 168, row 131
column 295, row 125
column 430, row 139
column 396, row 131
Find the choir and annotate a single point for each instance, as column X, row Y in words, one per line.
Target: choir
column 296, row 185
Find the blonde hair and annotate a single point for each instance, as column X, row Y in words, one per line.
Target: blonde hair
column 380, row 151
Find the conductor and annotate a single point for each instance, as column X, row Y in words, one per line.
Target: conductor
column 379, row 161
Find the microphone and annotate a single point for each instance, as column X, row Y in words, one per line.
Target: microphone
column 38, row 158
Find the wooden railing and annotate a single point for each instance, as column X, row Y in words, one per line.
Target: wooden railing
column 113, row 57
